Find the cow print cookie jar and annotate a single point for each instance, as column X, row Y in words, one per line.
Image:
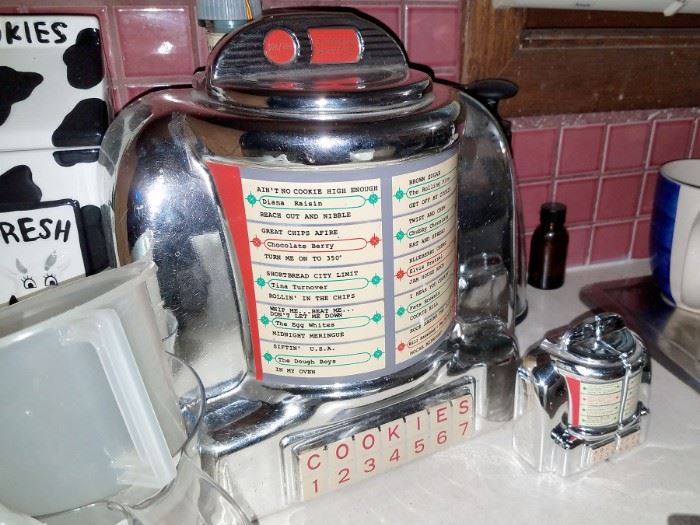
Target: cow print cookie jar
column 53, row 114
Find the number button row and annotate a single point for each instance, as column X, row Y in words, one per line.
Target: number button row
column 375, row 450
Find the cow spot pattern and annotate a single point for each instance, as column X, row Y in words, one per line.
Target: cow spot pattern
column 17, row 186
column 84, row 60
column 16, row 86
column 83, row 126
column 68, row 158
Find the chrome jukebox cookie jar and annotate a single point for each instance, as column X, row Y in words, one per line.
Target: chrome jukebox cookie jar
column 335, row 233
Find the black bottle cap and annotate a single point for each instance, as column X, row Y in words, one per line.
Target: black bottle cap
column 553, row 212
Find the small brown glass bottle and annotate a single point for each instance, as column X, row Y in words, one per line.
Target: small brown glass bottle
column 548, row 249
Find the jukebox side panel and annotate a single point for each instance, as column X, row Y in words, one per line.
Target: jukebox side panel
column 424, row 206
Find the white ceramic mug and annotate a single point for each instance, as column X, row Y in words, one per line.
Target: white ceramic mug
column 675, row 233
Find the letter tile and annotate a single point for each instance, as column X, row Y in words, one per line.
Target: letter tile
column 342, row 459
column 463, row 416
column 394, row 443
column 440, row 415
column 313, row 469
column 368, row 449
column 417, row 423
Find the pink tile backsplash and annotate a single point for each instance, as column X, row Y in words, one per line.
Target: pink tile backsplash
column 648, row 192
column 611, row 242
column 202, row 47
column 579, row 241
column 671, row 141
column 155, row 42
column 134, row 92
column 581, row 150
column 608, row 186
column 388, row 14
column 696, row 141
column 579, row 195
column 532, row 196
column 640, row 245
column 619, row 197
column 534, row 152
column 590, row 161
column 627, row 146
column 432, row 31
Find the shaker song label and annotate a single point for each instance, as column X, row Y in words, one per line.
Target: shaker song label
column 598, row 404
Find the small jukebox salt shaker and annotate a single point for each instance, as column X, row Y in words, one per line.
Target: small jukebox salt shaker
column 582, row 395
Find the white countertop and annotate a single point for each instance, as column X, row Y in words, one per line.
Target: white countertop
column 483, row 481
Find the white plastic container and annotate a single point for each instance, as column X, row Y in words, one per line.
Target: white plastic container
column 88, row 407
column 191, row 498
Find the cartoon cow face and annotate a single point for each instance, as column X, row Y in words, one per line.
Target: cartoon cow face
column 35, row 274
column 41, row 247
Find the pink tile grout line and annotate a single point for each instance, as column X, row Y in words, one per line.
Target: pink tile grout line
column 554, row 170
column 694, row 136
column 630, row 254
column 603, row 161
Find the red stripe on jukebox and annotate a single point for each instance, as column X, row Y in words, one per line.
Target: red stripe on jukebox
column 574, row 387
column 227, row 180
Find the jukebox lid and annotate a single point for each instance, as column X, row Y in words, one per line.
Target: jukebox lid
column 317, row 64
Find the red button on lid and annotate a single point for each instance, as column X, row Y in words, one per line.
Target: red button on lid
column 335, row 45
column 280, row 47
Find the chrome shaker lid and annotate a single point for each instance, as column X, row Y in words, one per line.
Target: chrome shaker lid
column 319, row 64
column 600, row 341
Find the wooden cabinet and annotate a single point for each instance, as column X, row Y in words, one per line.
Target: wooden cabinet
column 584, row 61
